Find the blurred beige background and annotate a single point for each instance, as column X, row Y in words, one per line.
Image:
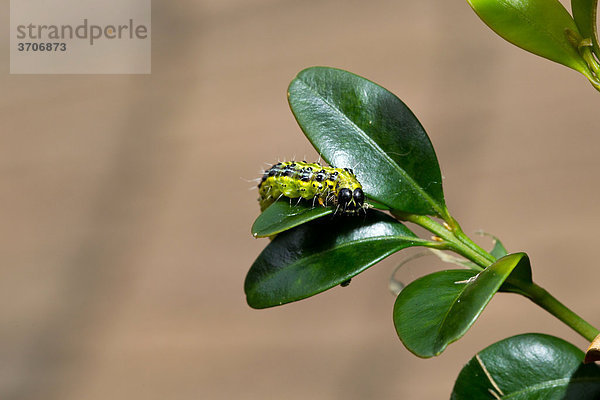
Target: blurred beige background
column 126, row 211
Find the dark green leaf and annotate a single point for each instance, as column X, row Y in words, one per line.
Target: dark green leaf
column 537, row 26
column 584, row 13
column 528, row 367
column 520, row 277
column 374, row 204
column 439, row 308
column 355, row 123
column 281, row 216
column 321, row 254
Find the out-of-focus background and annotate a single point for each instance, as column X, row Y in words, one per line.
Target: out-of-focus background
column 126, row 210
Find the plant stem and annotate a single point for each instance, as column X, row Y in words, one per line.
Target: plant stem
column 542, row 298
column 588, row 56
column 452, row 241
column 460, row 235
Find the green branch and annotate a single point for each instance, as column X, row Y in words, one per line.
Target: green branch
column 542, row 298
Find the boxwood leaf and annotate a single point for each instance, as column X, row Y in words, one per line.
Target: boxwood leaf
column 356, row 123
column 281, row 216
column 521, row 277
column 526, row 367
column 321, row 254
column 537, row 26
column 374, row 204
column 438, row 309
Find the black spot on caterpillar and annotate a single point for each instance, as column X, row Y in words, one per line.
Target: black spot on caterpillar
column 337, row 187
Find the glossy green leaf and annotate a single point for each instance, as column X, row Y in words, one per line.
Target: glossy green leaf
column 584, row 13
column 528, row 367
column 374, row 204
column 281, row 216
column 537, row 26
column 356, row 123
column 439, row 308
column 521, row 277
column 321, row 254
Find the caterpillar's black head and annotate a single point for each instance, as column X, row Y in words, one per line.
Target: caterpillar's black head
column 349, row 202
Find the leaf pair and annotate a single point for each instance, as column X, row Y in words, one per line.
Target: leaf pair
column 545, row 28
column 356, row 124
column 438, row 309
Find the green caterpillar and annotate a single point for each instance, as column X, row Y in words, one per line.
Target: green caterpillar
column 327, row 185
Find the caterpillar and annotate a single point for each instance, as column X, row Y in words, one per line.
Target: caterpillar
column 326, row 185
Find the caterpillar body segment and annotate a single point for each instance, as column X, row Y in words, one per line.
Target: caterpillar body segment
column 328, row 186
